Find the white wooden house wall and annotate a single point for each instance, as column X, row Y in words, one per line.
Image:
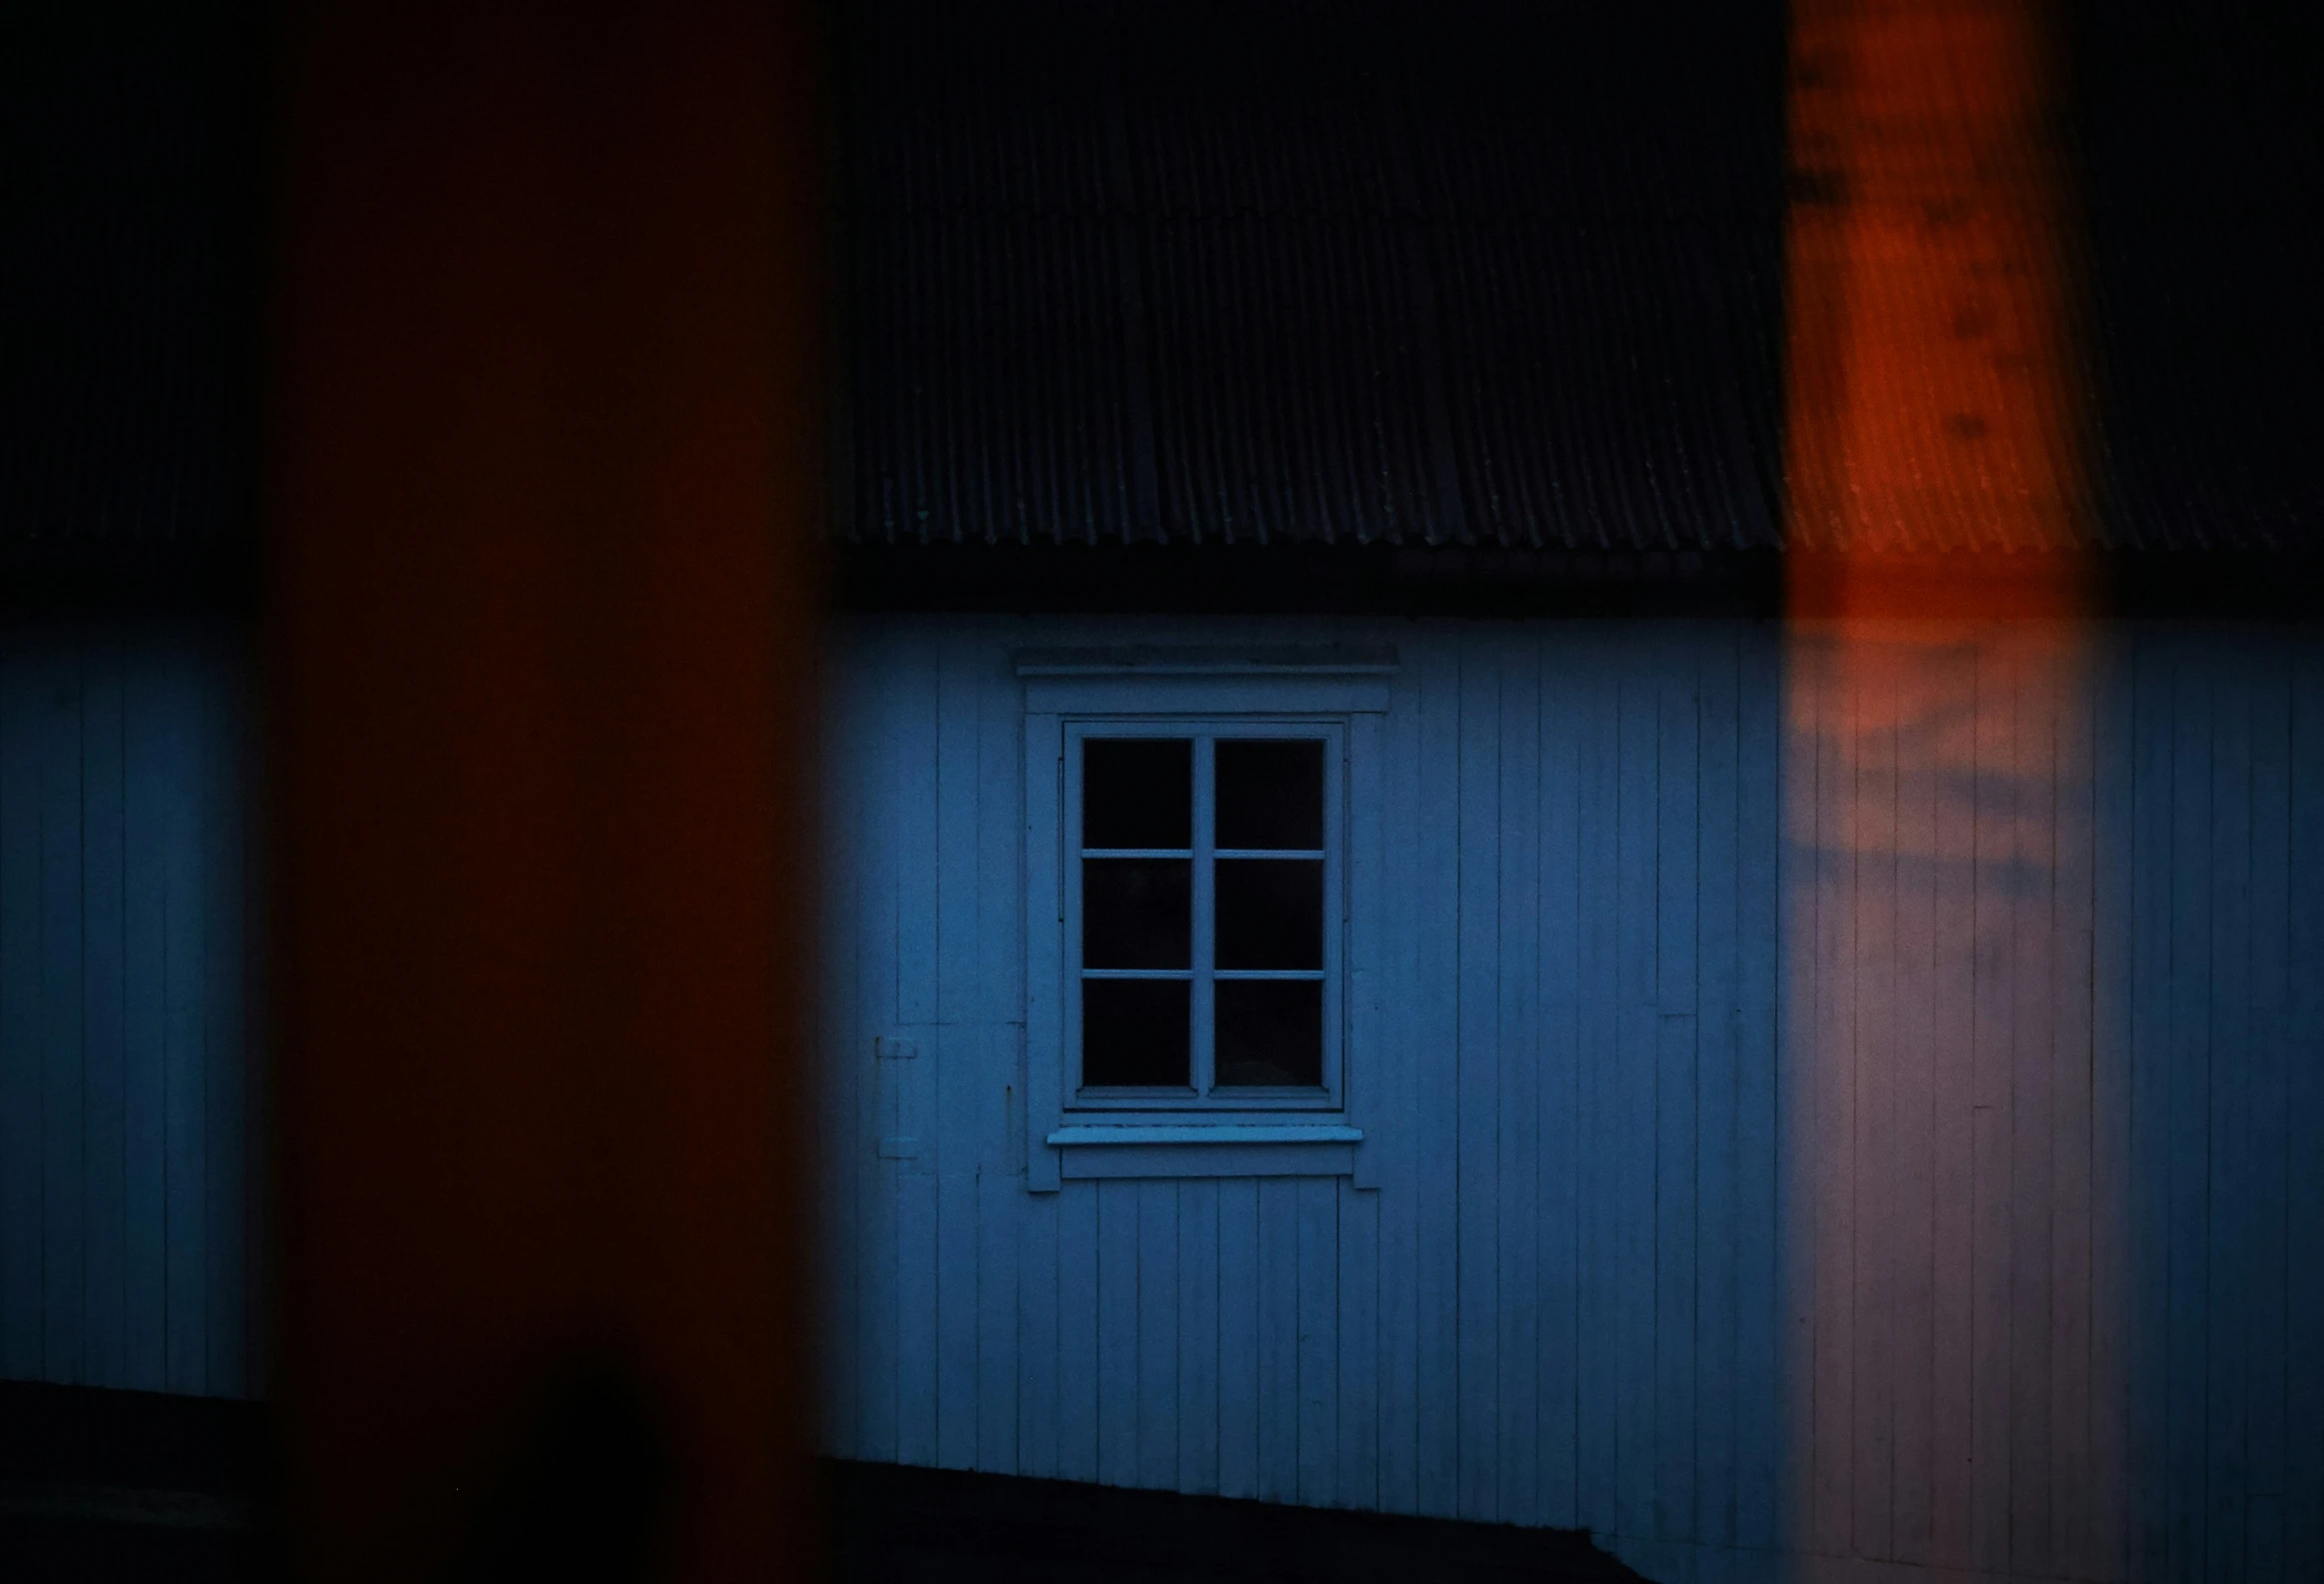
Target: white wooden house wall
column 125, row 1102
column 1660, row 1247
column 1800, row 1151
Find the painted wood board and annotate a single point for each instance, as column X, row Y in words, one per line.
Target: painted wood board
column 1370, row 1000
column 1239, row 1406
column 1000, row 1081
column 1078, row 1345
column 23, row 670
column 1557, row 1159
column 878, row 1016
column 1197, row 1408
column 57, row 743
column 1516, row 1083
column 2227, row 1190
column 1399, row 1080
column 1794, row 1153
column 1992, row 1066
column 1637, row 1043
column 2032, row 881
column 1278, row 1373
column 1118, row 1386
column 1677, row 870
column 1475, row 1295
column 1435, row 1027
column 1871, row 753
column 840, row 1059
column 1762, row 875
column 2191, row 964
column 2074, row 1121
column 2113, row 1251
column 2304, row 1119
column 1919, row 725
column 226, row 1046
column 2269, row 1343
column 1953, row 747
column 2148, row 1191
column 104, row 1007
column 1357, row 1395
column 145, row 1013
column 185, row 1123
column 915, row 686
column 1040, row 1343
column 1717, row 1184
column 1316, row 1264
column 958, row 1131
column 1599, row 881
column 1830, row 1053
column 1159, row 1274
column 919, row 1253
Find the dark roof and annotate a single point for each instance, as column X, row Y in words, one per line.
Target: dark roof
column 2201, row 146
column 128, row 282
column 1490, row 282
column 1483, row 275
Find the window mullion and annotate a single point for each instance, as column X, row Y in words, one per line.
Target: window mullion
column 1336, row 917
column 1205, row 805
column 1068, row 860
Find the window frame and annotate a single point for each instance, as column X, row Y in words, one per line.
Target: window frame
column 1337, row 692
column 1201, row 1096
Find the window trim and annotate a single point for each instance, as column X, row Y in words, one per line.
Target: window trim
column 1202, row 1099
column 1337, row 691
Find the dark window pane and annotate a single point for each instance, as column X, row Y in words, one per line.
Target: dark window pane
column 1271, row 913
column 1137, row 793
column 1134, row 1032
column 1271, row 1031
column 1270, row 795
column 1136, row 913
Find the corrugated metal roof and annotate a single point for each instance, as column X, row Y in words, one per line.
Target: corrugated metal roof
column 1464, row 274
column 127, row 287
column 1242, row 277
column 1473, row 273
column 2203, row 153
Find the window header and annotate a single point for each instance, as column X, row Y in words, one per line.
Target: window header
column 1266, row 659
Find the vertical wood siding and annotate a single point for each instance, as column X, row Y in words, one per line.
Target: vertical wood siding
column 1835, row 1117
column 126, row 1210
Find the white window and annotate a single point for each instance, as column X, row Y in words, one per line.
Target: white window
column 1193, row 887
column 1205, row 898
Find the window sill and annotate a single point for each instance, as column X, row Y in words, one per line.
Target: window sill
column 1216, row 1149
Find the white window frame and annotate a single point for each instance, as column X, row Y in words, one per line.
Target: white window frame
column 1337, row 694
column 1205, row 732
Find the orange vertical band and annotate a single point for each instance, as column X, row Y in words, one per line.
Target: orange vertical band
column 547, row 465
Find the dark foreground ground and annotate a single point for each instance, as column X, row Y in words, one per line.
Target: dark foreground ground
column 97, row 1488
